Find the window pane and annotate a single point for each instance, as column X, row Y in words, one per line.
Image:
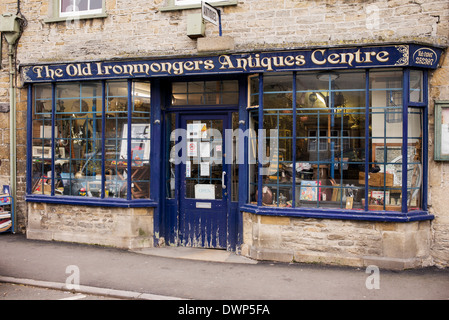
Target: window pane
column 205, row 93
column 82, row 5
column 416, row 86
column 41, row 139
column 140, row 140
column 253, row 156
column 78, row 140
column 277, row 91
column 67, row 5
column 414, row 156
column 385, row 176
column 96, row 4
column 116, row 139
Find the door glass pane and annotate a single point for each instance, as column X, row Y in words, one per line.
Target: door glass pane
column 204, row 167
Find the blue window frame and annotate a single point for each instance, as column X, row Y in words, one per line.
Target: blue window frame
column 332, row 144
column 89, row 142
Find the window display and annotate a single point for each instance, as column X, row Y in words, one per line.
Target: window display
column 91, row 139
column 333, row 141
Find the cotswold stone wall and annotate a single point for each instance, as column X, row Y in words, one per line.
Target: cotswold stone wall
column 338, row 242
column 139, row 28
column 118, row 227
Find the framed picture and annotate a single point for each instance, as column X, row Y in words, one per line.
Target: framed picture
column 441, row 150
column 45, row 152
column 309, row 190
column 380, row 198
column 41, row 152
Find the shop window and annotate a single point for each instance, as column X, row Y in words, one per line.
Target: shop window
column 205, row 93
column 91, row 139
column 330, row 141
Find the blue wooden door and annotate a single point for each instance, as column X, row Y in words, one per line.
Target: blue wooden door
column 203, row 189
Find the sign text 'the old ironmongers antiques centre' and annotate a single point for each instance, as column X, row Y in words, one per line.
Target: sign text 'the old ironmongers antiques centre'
column 300, row 60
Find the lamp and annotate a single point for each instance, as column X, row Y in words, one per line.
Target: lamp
column 327, row 76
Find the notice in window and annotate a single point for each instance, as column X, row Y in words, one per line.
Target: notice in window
column 445, row 131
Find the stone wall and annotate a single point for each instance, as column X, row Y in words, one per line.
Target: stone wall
column 337, row 242
column 139, row 28
column 118, row 227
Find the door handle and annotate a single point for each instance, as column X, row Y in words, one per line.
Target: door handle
column 223, row 184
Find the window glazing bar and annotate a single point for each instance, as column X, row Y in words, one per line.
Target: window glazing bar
column 260, row 142
column 405, row 103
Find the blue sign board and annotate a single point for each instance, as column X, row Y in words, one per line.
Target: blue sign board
column 405, row 55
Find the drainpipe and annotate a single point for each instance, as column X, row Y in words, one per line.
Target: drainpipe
column 12, row 134
column 10, row 27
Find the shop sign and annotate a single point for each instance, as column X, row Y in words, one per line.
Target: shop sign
column 298, row 60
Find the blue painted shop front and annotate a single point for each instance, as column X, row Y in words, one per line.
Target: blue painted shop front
column 196, row 105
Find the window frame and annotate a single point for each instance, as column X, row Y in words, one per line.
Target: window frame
column 102, row 200
column 405, row 214
column 56, row 15
column 74, row 13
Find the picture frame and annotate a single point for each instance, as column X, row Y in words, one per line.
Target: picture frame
column 45, row 152
column 310, row 190
column 441, row 143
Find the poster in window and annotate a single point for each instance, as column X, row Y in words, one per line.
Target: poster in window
column 140, row 143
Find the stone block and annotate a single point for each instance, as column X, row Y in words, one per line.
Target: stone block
column 216, row 44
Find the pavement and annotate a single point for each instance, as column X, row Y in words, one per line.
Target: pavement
column 182, row 274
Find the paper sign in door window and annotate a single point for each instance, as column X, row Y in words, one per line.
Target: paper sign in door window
column 188, row 169
column 192, row 149
column 205, row 191
column 204, row 169
column 205, row 149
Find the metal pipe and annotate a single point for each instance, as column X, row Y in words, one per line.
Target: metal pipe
column 12, row 134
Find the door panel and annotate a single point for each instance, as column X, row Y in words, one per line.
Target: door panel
column 203, row 193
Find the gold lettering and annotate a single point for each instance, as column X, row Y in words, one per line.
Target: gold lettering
column 383, row 56
column 300, row 60
column 197, row 64
column 315, row 60
column 99, row 67
column 178, row 67
column 334, row 58
column 289, row 61
column 59, row 73
column 141, row 68
column 278, row 61
column 225, row 62
column 343, row 58
column 166, row 67
column 209, row 64
column 117, row 69
column 188, row 65
column 155, row 67
column 266, row 63
column 38, row 70
column 242, row 63
column 71, row 70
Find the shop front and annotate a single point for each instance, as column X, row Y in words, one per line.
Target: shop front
column 305, row 155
